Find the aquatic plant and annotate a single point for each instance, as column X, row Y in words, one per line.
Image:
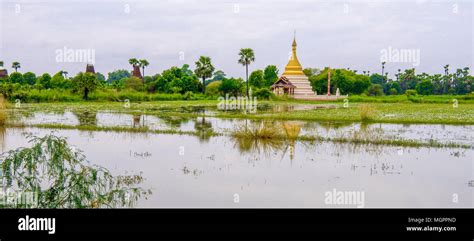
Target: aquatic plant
column 367, row 112
column 61, row 177
column 3, row 110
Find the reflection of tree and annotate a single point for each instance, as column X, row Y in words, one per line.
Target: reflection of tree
column 204, row 129
column 136, row 120
column 173, row 121
column 86, row 118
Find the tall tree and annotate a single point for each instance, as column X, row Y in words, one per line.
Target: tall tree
column 383, row 68
column 86, row 83
column 143, row 63
column 1, row 63
column 134, row 62
column 246, row 57
column 16, row 66
column 204, row 69
column 270, row 75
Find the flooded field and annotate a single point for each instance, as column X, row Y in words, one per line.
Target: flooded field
column 461, row 134
column 224, row 171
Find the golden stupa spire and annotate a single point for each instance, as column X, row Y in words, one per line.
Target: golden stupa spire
column 293, row 67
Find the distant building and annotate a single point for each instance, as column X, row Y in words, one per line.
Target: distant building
column 90, row 68
column 293, row 82
column 3, row 73
column 136, row 72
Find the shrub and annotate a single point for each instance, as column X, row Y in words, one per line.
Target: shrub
column 263, row 93
column 63, row 178
column 134, row 83
column 213, row 88
column 393, row 91
column 410, row 93
column 375, row 90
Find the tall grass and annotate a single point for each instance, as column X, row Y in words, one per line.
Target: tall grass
column 3, row 110
column 367, row 112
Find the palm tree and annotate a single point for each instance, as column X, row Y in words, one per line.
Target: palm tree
column 143, row 63
column 64, row 73
column 134, row 62
column 204, row 69
column 16, row 66
column 246, row 57
column 383, row 67
column 446, row 69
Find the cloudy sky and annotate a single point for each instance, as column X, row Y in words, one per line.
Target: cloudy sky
column 349, row 34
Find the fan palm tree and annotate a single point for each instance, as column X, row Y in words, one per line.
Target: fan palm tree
column 134, row 62
column 204, row 69
column 16, row 66
column 246, row 57
column 446, row 69
column 64, row 73
column 143, row 63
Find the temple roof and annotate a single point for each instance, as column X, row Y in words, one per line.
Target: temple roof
column 293, row 67
column 283, row 82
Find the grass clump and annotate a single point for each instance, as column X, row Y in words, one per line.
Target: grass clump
column 367, row 112
column 3, row 110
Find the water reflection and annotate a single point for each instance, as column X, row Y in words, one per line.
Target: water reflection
column 203, row 128
column 268, row 137
column 86, row 118
column 419, row 132
column 209, row 173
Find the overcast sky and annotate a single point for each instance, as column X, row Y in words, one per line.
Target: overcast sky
column 329, row 33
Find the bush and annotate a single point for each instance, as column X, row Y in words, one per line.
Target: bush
column 213, row 88
column 263, row 93
column 134, row 83
column 63, row 177
column 410, row 93
column 393, row 91
column 375, row 90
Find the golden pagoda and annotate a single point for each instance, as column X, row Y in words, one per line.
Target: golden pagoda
column 293, row 67
column 293, row 82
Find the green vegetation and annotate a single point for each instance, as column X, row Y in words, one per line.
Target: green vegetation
column 204, row 70
column 246, row 58
column 3, row 111
column 29, row 87
column 61, row 177
column 390, row 112
column 367, row 112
